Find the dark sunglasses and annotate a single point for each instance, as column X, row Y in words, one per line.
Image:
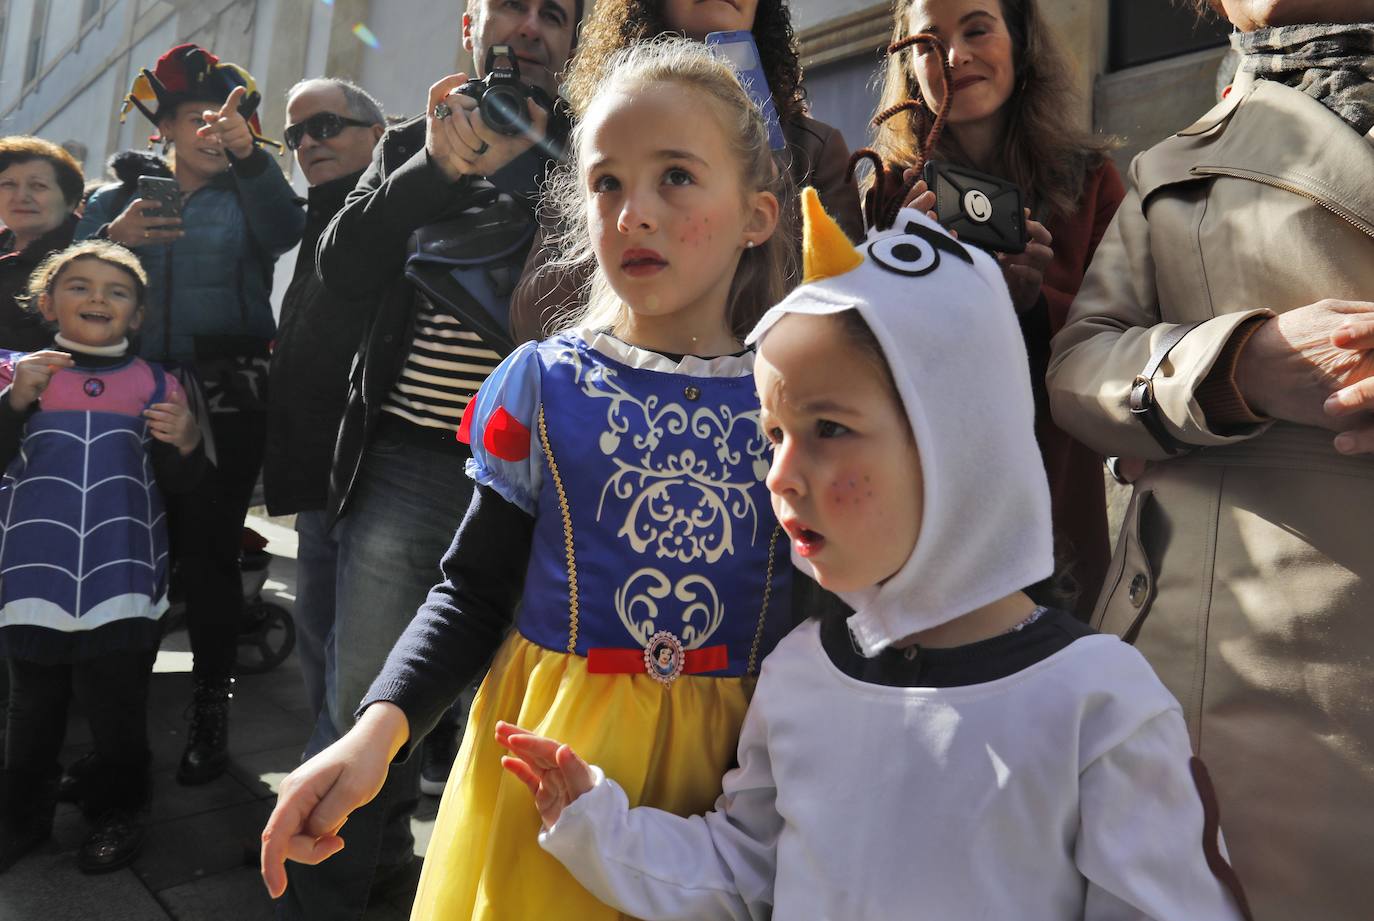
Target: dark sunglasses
column 321, row 126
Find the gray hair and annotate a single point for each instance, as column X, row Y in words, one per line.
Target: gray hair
column 360, row 104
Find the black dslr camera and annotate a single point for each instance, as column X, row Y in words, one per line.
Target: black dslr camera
column 501, row 97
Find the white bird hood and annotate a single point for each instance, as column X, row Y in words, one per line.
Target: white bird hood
column 942, row 314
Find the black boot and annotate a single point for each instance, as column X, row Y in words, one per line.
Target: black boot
column 207, row 748
column 27, row 802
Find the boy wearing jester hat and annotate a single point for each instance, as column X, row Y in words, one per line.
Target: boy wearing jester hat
column 951, row 749
column 208, row 311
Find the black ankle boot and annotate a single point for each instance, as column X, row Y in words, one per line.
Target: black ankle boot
column 27, row 802
column 207, row 748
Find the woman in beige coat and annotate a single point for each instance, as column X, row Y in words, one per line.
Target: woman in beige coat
column 1227, row 303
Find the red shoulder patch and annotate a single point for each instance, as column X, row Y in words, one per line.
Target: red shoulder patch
column 506, row 437
column 464, row 433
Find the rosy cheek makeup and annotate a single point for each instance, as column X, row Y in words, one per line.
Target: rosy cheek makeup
column 849, row 491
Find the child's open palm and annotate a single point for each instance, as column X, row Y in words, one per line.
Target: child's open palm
column 173, row 423
column 553, row 772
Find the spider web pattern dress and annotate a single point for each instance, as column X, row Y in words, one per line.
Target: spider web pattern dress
column 83, row 537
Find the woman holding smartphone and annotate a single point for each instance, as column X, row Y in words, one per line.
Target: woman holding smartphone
column 224, row 213
column 816, row 154
column 1010, row 115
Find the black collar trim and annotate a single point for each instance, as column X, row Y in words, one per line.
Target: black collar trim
column 975, row 663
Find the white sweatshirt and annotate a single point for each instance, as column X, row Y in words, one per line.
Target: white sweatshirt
column 1059, row 792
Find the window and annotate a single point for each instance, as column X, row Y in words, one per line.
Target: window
column 1142, row 31
column 33, row 61
column 89, row 9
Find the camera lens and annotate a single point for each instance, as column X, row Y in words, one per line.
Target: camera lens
column 504, row 109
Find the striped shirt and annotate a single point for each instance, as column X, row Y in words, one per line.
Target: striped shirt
column 446, row 365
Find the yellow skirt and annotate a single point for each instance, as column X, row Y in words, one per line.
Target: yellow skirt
column 667, row 747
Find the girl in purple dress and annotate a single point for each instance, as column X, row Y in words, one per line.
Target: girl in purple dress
column 90, row 435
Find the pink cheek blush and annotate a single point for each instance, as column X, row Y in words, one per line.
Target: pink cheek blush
column 849, row 493
column 695, row 233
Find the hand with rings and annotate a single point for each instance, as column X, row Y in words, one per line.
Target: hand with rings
column 458, row 141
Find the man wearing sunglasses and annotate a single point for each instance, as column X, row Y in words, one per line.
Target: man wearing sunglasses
column 442, row 186
column 331, row 126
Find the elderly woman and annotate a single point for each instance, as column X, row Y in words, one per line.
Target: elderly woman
column 40, row 187
column 1223, row 333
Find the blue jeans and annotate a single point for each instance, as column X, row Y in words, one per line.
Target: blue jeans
column 407, row 504
column 317, row 559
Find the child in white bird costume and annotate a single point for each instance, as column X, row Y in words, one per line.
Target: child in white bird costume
column 951, row 750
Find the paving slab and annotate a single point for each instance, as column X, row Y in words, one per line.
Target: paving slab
column 47, row 886
column 234, row 895
column 171, row 801
column 262, row 772
column 200, row 846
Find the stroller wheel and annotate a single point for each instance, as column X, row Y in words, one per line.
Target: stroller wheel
column 268, row 637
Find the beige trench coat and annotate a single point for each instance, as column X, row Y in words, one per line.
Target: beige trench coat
column 1246, row 567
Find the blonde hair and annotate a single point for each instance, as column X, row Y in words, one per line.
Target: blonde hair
column 765, row 272
column 44, row 278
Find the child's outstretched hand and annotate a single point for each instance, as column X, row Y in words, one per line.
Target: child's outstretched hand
column 554, row 774
column 173, row 423
column 32, row 373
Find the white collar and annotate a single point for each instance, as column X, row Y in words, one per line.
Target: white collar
column 104, row 351
column 649, row 360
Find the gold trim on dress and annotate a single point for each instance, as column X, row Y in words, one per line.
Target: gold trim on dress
column 566, row 511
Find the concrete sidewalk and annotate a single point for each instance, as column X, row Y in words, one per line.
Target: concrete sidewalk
column 199, row 862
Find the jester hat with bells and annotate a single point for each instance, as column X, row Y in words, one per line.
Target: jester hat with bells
column 945, row 322
column 189, row 73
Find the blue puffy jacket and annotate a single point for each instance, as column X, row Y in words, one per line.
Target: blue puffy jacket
column 209, row 292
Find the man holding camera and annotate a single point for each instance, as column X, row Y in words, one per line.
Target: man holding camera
column 444, row 186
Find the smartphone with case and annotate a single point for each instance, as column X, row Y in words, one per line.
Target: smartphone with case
column 164, row 192
column 739, row 49
column 983, row 210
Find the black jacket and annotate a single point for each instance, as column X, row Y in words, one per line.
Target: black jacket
column 317, row 338
column 21, row 329
column 362, row 256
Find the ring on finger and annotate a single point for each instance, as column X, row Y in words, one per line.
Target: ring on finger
column 483, row 149
column 442, row 110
